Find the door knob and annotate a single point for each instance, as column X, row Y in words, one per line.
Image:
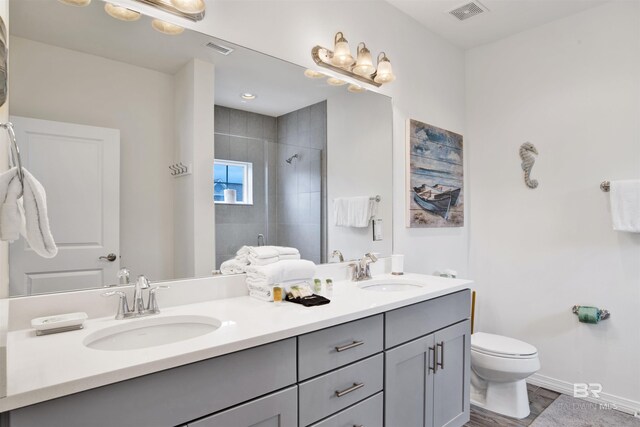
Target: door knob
column 111, row 257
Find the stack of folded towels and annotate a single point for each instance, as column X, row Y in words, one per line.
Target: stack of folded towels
column 257, row 255
column 286, row 273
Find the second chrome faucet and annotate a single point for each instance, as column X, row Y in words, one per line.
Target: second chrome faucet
column 139, row 307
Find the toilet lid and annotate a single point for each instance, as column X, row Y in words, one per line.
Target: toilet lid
column 497, row 345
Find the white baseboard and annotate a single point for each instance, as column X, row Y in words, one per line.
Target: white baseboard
column 622, row 404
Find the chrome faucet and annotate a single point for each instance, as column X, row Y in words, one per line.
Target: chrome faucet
column 361, row 270
column 338, row 254
column 139, row 308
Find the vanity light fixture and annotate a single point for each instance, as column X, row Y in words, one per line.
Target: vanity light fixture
column 341, row 61
column 248, row 96
column 121, row 13
column 166, row 27
column 79, row 3
column 191, row 9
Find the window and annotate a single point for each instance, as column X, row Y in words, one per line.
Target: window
column 230, row 175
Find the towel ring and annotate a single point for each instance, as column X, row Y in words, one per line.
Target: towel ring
column 15, row 151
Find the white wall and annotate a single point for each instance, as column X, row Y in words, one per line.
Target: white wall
column 59, row 84
column 4, row 246
column 194, row 221
column 359, row 130
column 430, row 84
column 572, row 88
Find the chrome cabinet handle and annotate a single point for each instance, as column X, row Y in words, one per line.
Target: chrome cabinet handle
column 111, row 257
column 433, row 359
column 348, row 346
column 441, row 363
column 354, row 387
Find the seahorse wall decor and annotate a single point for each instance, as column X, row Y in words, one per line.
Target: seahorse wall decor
column 527, row 150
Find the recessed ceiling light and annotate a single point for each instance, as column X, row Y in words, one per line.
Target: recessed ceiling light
column 248, row 96
column 76, row 2
column 336, row 82
column 121, row 13
column 313, row 74
column 166, row 27
column 356, row 89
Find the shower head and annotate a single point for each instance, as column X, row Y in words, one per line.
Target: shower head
column 290, row 159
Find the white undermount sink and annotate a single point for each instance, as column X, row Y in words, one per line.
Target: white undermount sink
column 150, row 332
column 389, row 285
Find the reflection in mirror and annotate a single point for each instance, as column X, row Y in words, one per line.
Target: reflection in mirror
column 163, row 155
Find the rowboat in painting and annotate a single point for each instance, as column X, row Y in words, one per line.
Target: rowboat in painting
column 437, row 198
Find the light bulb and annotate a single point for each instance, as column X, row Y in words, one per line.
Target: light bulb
column 356, row 89
column 166, row 27
column 189, row 6
column 121, row 13
column 341, row 52
column 76, row 2
column 384, row 74
column 313, row 74
column 364, row 64
column 335, row 82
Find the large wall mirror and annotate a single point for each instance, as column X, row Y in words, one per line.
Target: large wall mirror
column 165, row 154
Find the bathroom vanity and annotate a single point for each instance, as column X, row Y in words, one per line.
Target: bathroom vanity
column 371, row 358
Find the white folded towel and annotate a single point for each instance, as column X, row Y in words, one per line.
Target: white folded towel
column 281, row 271
column 233, row 266
column 26, row 215
column 625, row 205
column 353, row 211
column 265, row 255
column 263, row 252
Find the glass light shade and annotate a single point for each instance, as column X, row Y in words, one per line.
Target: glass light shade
column 356, row 89
column 76, row 2
column 335, row 82
column 341, row 52
column 313, row 74
column 384, row 74
column 121, row 13
column 166, row 27
column 364, row 64
column 189, row 6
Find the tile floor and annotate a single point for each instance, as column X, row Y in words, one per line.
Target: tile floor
column 551, row 409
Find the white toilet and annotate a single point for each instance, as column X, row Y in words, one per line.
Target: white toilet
column 499, row 366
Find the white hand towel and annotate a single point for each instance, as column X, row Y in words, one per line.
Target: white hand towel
column 32, row 209
column 287, row 251
column 281, row 271
column 262, row 261
column 258, row 252
column 625, row 205
column 10, row 217
column 233, row 266
column 353, row 211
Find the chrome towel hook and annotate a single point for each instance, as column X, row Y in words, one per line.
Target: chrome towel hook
column 15, row 151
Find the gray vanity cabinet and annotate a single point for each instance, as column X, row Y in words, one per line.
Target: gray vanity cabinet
column 427, row 380
column 276, row 410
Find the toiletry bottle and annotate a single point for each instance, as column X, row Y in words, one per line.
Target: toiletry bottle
column 317, row 286
column 277, row 294
column 329, row 285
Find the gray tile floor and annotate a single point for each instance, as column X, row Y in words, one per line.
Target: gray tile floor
column 551, row 409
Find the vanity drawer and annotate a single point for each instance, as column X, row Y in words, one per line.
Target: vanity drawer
column 366, row 413
column 332, row 392
column 171, row 397
column 330, row 348
column 278, row 409
column 404, row 324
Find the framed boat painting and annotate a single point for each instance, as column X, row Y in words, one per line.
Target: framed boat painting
column 435, row 177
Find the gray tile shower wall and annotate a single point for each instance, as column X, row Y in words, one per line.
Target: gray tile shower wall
column 299, row 183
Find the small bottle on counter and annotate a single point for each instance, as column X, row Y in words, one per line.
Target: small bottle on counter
column 329, row 285
column 277, row 294
column 317, row 286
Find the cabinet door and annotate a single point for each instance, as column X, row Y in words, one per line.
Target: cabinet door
column 451, row 381
column 275, row 410
column 408, row 391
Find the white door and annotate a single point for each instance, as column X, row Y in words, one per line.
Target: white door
column 79, row 167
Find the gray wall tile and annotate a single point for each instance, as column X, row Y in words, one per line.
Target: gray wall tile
column 238, row 122
column 254, row 125
column 221, row 147
column 221, row 119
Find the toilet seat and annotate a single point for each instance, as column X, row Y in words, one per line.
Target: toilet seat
column 500, row 346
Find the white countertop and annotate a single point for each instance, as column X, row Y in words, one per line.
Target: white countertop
column 47, row 367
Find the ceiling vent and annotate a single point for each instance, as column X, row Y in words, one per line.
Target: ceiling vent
column 220, row 48
column 468, row 10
